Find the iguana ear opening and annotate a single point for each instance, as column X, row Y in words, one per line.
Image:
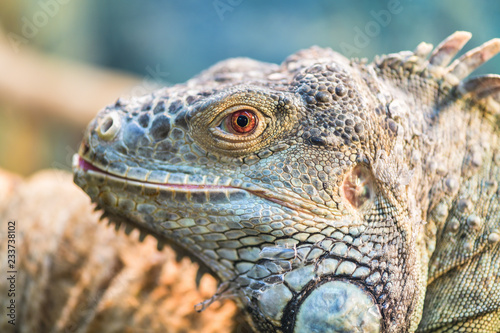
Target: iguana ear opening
column 358, row 187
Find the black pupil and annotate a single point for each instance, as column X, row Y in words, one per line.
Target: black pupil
column 242, row 121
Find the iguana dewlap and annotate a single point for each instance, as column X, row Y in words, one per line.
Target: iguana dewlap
column 326, row 194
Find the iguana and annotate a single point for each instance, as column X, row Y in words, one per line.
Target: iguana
column 326, row 194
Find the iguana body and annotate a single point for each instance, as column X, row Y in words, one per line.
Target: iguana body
column 327, row 194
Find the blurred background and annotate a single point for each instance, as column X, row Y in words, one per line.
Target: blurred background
column 63, row 60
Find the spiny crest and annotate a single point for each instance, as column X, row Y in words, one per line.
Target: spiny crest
column 438, row 67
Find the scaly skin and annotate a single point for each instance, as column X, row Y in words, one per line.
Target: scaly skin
column 326, row 194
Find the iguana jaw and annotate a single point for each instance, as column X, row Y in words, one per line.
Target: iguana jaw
column 105, row 189
column 295, row 203
column 351, row 300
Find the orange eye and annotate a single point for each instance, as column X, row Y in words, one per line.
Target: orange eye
column 240, row 122
column 358, row 186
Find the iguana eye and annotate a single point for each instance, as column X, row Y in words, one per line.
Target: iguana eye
column 237, row 127
column 240, row 122
column 358, row 186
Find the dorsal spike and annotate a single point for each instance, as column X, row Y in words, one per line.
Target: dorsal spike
column 178, row 256
column 142, row 235
column 128, row 228
column 160, row 244
column 481, row 86
column 466, row 64
column 423, row 50
column 199, row 275
column 447, row 49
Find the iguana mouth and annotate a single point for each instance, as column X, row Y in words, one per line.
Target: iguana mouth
column 86, row 166
column 295, row 203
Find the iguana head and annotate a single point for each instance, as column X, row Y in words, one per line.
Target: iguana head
column 292, row 184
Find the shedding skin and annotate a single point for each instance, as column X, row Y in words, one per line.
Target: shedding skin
column 374, row 182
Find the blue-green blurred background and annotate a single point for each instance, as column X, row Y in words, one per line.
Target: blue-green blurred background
column 173, row 40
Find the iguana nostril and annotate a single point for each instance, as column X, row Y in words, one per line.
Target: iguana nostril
column 109, row 126
column 108, row 123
